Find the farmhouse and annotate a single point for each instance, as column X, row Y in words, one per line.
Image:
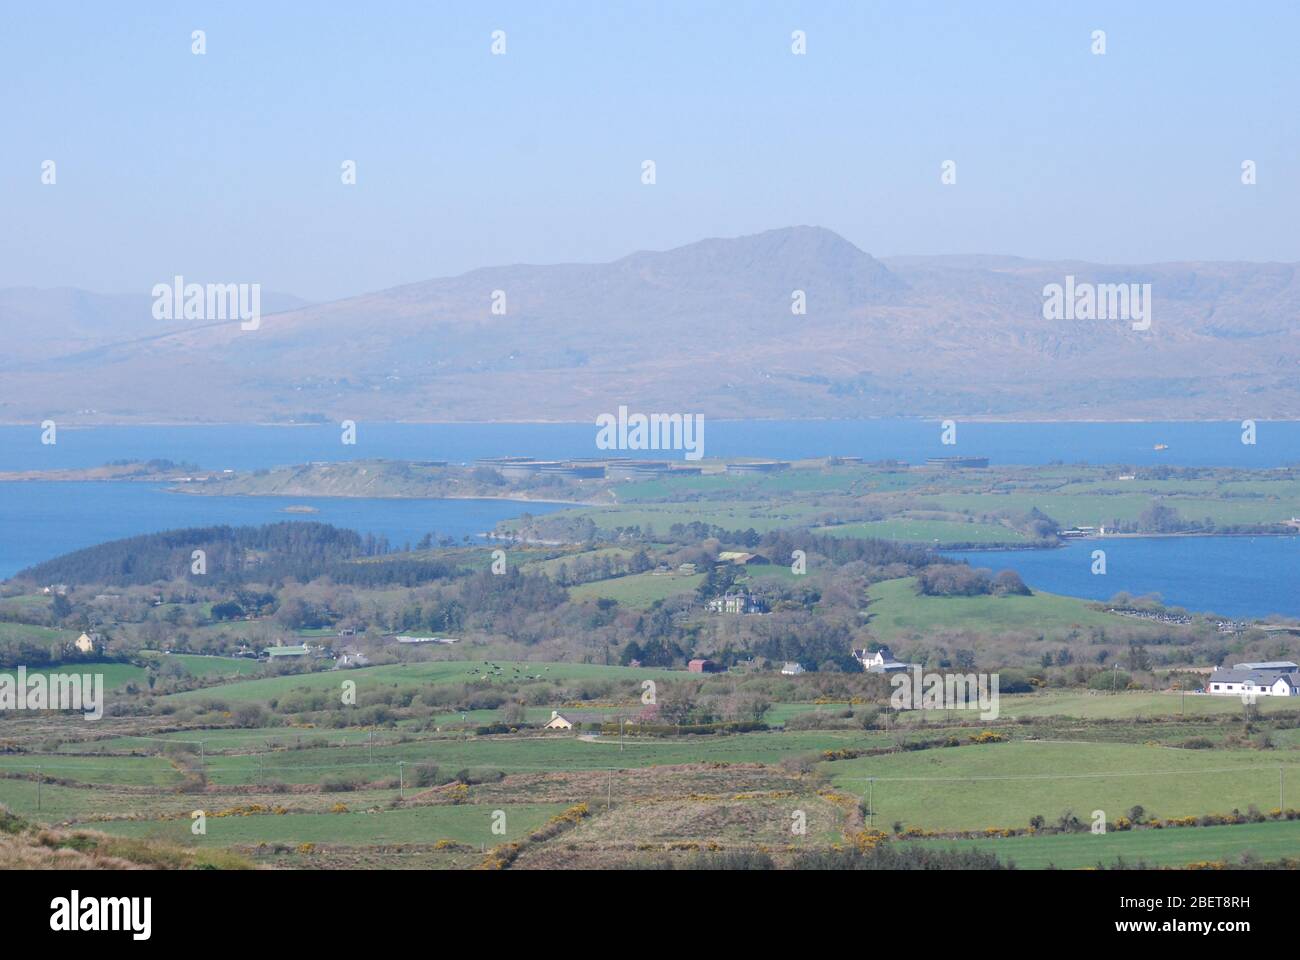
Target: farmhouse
column 702, row 666
column 792, row 669
column 86, row 642
column 882, row 661
column 1270, row 678
column 558, row 722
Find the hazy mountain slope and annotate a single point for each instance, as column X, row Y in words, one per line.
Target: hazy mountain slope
column 708, row 328
column 38, row 324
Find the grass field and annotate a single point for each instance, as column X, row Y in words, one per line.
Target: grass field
column 116, row 675
column 561, row 751
column 760, row 515
column 67, row 803
column 927, row 531
column 1005, row 784
column 264, row 689
column 1167, row 847
column 1129, row 704
column 810, row 480
column 897, row 610
column 638, row 590
column 1094, row 509
column 204, row 666
column 461, row 823
column 26, row 632
column 552, row 566
column 125, row 771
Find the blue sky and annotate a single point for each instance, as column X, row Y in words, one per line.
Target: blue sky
column 226, row 167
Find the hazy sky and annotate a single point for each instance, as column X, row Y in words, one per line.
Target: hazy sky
column 226, row 167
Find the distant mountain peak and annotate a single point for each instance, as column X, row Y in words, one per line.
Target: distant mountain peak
column 774, row 262
column 779, row 243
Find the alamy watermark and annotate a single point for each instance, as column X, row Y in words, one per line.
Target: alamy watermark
column 915, row 690
column 53, row 691
column 655, row 431
column 179, row 300
column 75, row 913
column 1098, row 301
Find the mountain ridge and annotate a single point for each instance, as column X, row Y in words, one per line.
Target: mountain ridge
column 706, row 327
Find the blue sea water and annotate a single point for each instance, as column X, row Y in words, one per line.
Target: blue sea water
column 244, row 447
column 1232, row 576
column 41, row 520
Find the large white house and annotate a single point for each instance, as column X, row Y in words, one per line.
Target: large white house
column 1272, row 678
column 882, row 661
column 742, row 602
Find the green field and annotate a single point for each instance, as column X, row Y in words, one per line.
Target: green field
column 1170, row 847
column 760, row 515
column 1130, row 704
column 1093, row 509
column 462, row 823
column 511, row 754
column 115, row 675
column 1005, row 784
column 799, row 480
column 638, row 589
column 552, row 566
column 897, row 610
column 265, row 689
column 126, row 771
column 26, row 632
column 927, row 531
column 204, row 666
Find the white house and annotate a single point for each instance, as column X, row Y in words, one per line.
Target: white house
column 86, row 642
column 1271, row 678
column 793, row 669
column 736, row 603
column 882, row 661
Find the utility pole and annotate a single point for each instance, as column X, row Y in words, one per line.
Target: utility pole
column 609, row 790
column 401, row 780
column 1281, row 790
column 38, row 789
column 871, row 803
column 371, row 736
